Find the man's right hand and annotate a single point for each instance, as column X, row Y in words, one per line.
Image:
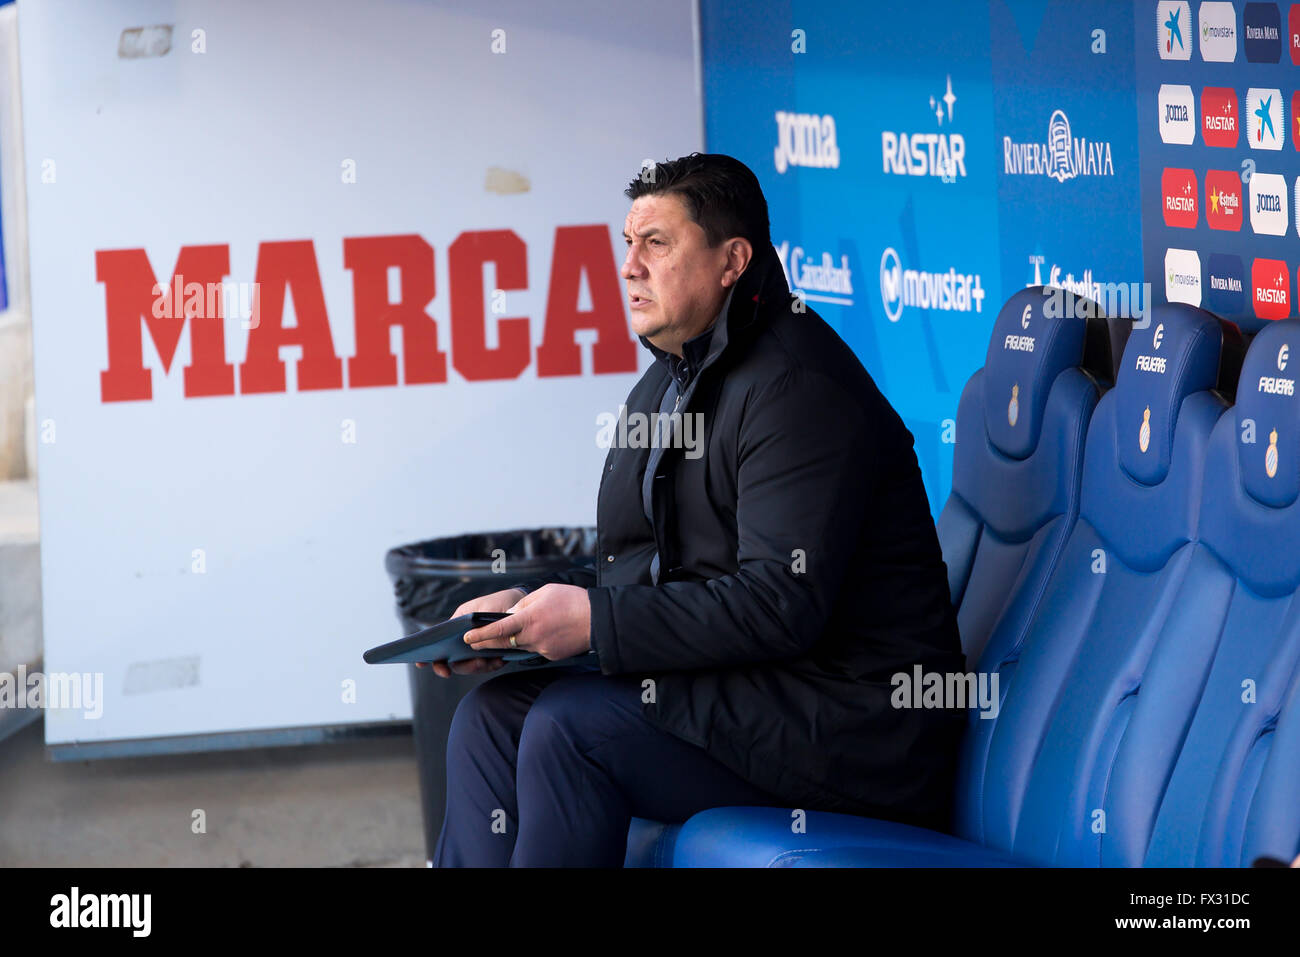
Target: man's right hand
column 497, row 601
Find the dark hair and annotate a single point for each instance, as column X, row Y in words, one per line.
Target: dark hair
column 720, row 192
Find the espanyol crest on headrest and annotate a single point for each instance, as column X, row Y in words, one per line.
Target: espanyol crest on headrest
column 1013, row 407
column 1144, row 433
column 1270, row 457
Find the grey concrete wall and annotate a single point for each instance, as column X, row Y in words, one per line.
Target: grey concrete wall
column 20, row 590
column 15, row 389
column 20, row 576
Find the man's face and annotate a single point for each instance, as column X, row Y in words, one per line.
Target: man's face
column 674, row 280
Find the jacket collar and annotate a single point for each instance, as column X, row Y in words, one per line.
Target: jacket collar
column 762, row 283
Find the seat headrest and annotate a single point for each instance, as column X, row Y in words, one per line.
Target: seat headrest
column 1034, row 340
column 1268, row 415
column 1175, row 356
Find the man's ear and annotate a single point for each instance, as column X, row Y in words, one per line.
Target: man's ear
column 739, row 255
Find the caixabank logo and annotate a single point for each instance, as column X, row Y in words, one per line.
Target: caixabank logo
column 1262, row 32
column 1179, row 191
column 1176, row 107
column 935, row 152
column 1225, row 285
column 1264, row 123
column 816, row 278
column 1223, row 200
column 1270, row 288
column 1218, row 31
column 1219, row 123
column 1174, row 30
column 1268, row 204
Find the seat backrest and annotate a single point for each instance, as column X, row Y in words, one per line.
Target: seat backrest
column 1031, row 777
column 1020, row 430
column 1234, row 791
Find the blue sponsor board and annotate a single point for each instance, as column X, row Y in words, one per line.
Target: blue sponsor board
column 1239, row 155
column 1262, row 32
column 1067, row 150
column 1225, row 285
column 875, row 146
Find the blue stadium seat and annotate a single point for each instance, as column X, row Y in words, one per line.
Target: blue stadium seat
column 1017, row 463
column 1037, row 780
column 1094, row 677
column 1234, row 791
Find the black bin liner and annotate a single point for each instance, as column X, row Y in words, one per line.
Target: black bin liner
column 430, row 580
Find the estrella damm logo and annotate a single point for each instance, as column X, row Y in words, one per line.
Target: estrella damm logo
column 1223, row 199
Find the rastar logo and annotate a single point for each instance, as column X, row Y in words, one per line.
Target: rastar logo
column 1270, row 282
column 1293, row 30
column 1264, row 126
column 941, row 153
column 1177, row 109
column 1183, row 276
column 1064, row 156
column 805, row 139
column 1178, row 191
column 1218, row 22
column 1219, row 123
column 1268, row 204
column 1262, row 32
column 1173, row 30
column 1223, row 199
column 290, row 268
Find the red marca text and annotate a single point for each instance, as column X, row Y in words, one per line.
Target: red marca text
column 131, row 291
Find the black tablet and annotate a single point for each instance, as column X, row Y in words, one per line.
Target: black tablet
column 445, row 641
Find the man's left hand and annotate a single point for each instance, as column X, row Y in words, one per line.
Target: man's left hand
column 554, row 621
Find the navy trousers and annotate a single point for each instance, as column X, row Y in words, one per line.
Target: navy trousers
column 547, row 768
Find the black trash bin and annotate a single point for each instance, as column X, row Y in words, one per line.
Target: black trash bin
column 430, row 580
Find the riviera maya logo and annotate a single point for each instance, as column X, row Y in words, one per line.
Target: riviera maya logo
column 1144, row 433
column 1058, row 145
column 1013, row 407
column 1064, row 156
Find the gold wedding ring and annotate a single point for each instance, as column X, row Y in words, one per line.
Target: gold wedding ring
column 512, row 642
